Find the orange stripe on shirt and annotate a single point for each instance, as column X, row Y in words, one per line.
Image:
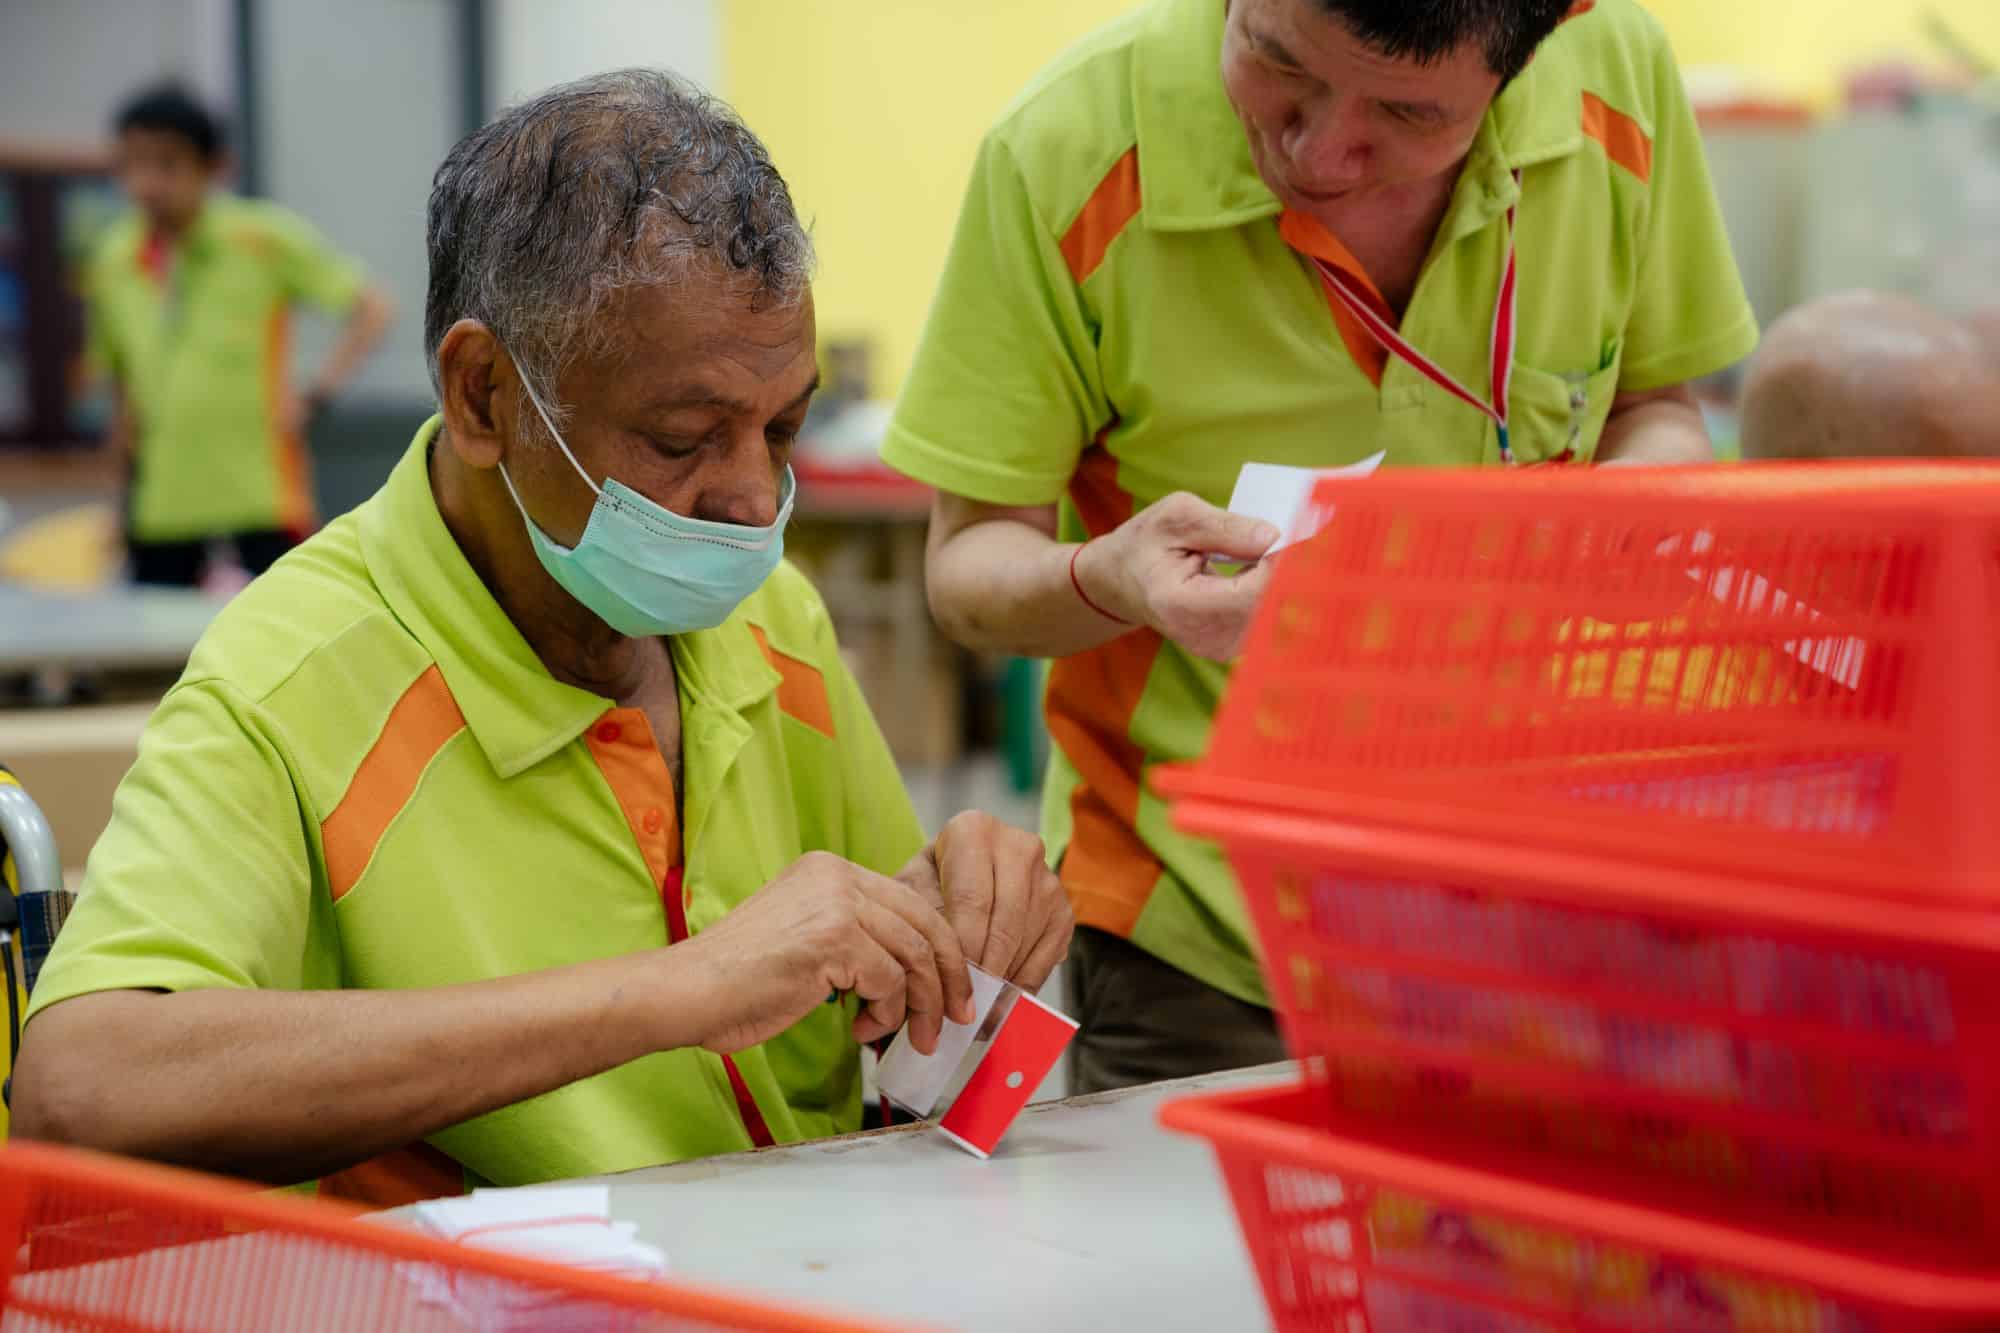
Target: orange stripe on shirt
column 1111, row 206
column 407, row 1175
column 629, row 757
column 296, row 513
column 1108, row 870
column 419, row 725
column 801, row 687
column 1309, row 237
column 1624, row 142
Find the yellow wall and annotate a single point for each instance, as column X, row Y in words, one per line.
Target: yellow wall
column 873, row 109
column 1802, row 46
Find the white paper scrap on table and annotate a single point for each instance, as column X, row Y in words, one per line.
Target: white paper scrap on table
column 915, row 1081
column 1281, row 495
column 564, row 1224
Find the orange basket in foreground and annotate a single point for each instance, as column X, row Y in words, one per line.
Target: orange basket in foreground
column 1782, row 671
column 1350, row 1236
column 98, row 1243
column 1638, row 824
column 1813, row 1061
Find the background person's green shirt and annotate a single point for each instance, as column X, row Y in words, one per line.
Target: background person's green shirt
column 201, row 350
column 368, row 779
column 1121, row 318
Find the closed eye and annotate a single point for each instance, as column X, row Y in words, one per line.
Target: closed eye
column 677, row 449
column 1422, row 117
column 1275, row 55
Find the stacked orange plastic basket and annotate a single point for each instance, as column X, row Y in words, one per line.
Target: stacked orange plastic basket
column 112, row 1246
column 1619, row 851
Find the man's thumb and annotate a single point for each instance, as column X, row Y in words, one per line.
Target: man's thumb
column 1237, row 536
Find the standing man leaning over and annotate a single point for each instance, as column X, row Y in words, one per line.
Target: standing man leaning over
column 189, row 306
column 1289, row 231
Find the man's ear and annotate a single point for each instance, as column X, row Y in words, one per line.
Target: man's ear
column 472, row 368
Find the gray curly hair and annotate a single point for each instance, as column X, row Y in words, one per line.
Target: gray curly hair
column 617, row 180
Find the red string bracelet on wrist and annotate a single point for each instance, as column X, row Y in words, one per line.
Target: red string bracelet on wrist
column 1083, row 596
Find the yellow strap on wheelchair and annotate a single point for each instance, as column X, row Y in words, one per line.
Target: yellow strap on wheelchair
column 8, row 875
column 11, row 878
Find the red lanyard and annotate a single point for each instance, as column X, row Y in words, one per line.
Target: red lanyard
column 673, row 891
column 1357, row 303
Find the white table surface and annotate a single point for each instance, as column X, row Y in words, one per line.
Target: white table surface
column 118, row 628
column 1090, row 1216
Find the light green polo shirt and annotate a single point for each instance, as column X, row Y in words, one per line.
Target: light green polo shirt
column 1121, row 318
column 201, row 349
column 367, row 779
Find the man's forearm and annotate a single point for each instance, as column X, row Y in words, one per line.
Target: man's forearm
column 286, row 1086
column 121, row 433
column 1004, row 586
column 1662, row 427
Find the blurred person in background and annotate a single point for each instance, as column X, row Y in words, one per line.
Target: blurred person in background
column 189, row 301
column 1985, row 326
column 1872, row 375
column 1457, row 232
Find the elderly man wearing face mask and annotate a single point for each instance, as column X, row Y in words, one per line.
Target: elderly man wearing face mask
column 1453, row 232
column 524, row 823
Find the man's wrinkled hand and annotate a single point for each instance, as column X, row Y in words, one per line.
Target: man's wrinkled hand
column 1005, row 904
column 826, row 926
column 1156, row 570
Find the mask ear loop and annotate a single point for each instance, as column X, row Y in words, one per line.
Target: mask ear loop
column 516, row 495
column 554, row 434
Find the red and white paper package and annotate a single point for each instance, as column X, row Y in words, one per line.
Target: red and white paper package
column 1032, row 1037
column 983, row 1072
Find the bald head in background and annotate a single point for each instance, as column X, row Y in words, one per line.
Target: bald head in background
column 1869, row 375
column 1986, row 327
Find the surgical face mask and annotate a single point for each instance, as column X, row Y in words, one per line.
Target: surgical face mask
column 645, row 570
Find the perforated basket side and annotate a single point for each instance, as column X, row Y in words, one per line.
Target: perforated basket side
column 1417, row 1241
column 1815, row 1061
column 1787, row 684
column 101, row 1243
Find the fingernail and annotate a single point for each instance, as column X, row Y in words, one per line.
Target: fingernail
column 1267, row 533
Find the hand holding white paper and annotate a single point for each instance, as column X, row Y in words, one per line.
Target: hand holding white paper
column 915, row 1081
column 1281, row 495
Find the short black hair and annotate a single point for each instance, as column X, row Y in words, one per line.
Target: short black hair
column 171, row 109
column 1430, row 30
